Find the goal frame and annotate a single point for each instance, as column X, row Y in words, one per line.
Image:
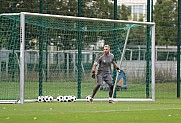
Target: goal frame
column 22, row 50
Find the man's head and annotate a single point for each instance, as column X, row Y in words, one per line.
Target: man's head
column 106, row 49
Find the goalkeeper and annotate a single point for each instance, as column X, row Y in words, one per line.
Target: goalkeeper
column 104, row 72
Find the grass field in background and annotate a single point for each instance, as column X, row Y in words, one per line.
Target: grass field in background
column 160, row 111
column 10, row 90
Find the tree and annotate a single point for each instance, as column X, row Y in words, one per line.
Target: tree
column 90, row 8
column 104, row 9
column 165, row 17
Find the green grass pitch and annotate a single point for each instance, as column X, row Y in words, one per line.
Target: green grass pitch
column 160, row 111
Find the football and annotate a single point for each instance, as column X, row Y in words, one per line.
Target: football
column 40, row 99
column 46, row 98
column 60, row 98
column 50, row 98
column 69, row 98
column 88, row 98
column 73, row 98
column 66, row 98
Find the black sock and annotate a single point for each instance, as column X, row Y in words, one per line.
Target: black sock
column 95, row 90
column 110, row 90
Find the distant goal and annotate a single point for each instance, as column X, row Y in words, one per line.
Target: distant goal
column 44, row 54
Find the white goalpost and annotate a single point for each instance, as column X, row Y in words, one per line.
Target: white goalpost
column 70, row 37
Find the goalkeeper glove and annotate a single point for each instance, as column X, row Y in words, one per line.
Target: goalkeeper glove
column 93, row 74
column 119, row 71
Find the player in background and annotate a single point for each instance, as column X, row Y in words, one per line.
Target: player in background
column 104, row 72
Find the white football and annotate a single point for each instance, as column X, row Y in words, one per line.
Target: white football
column 73, row 99
column 50, row 98
column 46, row 98
column 60, row 98
column 40, row 99
column 88, row 98
column 69, row 98
column 65, row 98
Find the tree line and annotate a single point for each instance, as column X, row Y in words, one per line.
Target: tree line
column 165, row 13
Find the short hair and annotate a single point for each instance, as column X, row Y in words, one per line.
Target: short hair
column 107, row 46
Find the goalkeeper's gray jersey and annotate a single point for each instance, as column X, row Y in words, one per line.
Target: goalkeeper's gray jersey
column 104, row 62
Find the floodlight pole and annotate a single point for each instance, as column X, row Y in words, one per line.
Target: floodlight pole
column 79, row 50
column 178, row 50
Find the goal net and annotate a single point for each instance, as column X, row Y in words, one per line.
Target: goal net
column 43, row 54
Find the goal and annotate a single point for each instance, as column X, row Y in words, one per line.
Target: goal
column 44, row 54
